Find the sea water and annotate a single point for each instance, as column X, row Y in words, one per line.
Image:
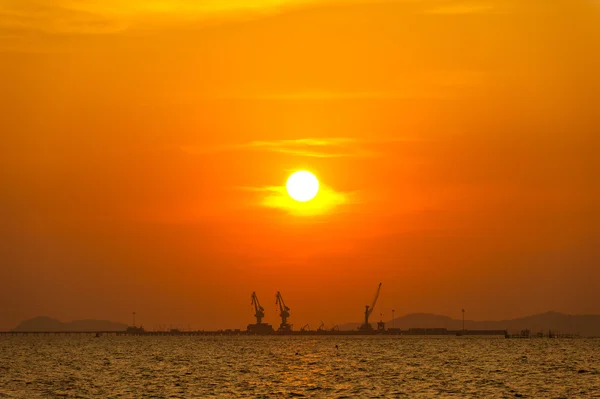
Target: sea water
column 300, row 366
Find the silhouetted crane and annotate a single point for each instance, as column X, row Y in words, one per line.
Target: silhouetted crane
column 260, row 311
column 284, row 312
column 305, row 328
column 321, row 327
column 368, row 310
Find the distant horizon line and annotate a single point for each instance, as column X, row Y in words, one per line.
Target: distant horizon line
column 345, row 323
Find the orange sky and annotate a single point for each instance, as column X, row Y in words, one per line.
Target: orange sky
column 143, row 141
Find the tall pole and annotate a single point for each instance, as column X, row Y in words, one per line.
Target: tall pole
column 134, row 319
column 393, row 319
column 463, row 313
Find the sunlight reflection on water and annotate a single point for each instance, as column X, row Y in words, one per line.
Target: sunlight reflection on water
column 374, row 367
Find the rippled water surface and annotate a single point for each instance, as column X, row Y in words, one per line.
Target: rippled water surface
column 370, row 367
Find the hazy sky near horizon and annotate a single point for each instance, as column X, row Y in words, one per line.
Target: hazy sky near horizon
column 144, row 145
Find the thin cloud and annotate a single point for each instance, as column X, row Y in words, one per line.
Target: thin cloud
column 57, row 18
column 322, row 142
column 325, row 202
column 333, row 147
column 328, row 95
column 406, row 93
column 465, row 8
column 309, row 147
column 111, row 16
column 316, row 148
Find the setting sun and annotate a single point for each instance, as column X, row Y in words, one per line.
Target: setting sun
column 412, row 176
column 302, row 186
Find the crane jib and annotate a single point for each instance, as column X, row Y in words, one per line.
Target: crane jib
column 374, row 300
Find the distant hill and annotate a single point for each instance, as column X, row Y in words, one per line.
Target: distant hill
column 585, row 325
column 49, row 324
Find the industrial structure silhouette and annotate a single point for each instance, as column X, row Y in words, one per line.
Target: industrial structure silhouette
column 284, row 313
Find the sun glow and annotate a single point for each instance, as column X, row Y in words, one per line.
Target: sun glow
column 302, row 186
column 304, row 195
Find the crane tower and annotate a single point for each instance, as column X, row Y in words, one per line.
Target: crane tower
column 258, row 309
column 284, row 313
column 259, row 313
column 368, row 310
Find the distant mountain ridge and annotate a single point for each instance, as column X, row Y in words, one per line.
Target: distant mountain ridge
column 585, row 325
column 49, row 324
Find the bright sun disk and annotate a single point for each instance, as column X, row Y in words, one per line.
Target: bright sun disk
column 302, row 186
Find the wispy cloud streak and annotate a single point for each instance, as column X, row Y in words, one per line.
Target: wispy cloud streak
column 110, row 16
column 326, row 202
column 310, row 147
column 463, row 8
